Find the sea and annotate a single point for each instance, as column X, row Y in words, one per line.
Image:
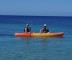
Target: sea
column 41, row 48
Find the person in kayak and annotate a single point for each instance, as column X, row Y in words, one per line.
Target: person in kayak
column 27, row 28
column 44, row 29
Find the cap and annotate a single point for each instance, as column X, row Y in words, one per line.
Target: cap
column 44, row 24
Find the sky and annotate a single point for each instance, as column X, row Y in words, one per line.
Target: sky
column 36, row 7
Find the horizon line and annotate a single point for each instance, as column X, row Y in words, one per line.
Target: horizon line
column 37, row 15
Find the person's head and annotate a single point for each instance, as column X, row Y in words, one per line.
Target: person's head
column 44, row 26
column 27, row 25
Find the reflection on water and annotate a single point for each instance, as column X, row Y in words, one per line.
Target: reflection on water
column 41, row 48
column 42, row 38
column 28, row 40
column 50, row 38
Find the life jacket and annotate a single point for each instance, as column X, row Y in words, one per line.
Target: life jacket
column 27, row 29
column 44, row 30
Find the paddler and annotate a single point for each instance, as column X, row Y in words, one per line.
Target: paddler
column 27, row 28
column 44, row 29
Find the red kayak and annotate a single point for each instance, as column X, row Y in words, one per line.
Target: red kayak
column 49, row 34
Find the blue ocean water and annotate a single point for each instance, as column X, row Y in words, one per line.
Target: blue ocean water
column 17, row 48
